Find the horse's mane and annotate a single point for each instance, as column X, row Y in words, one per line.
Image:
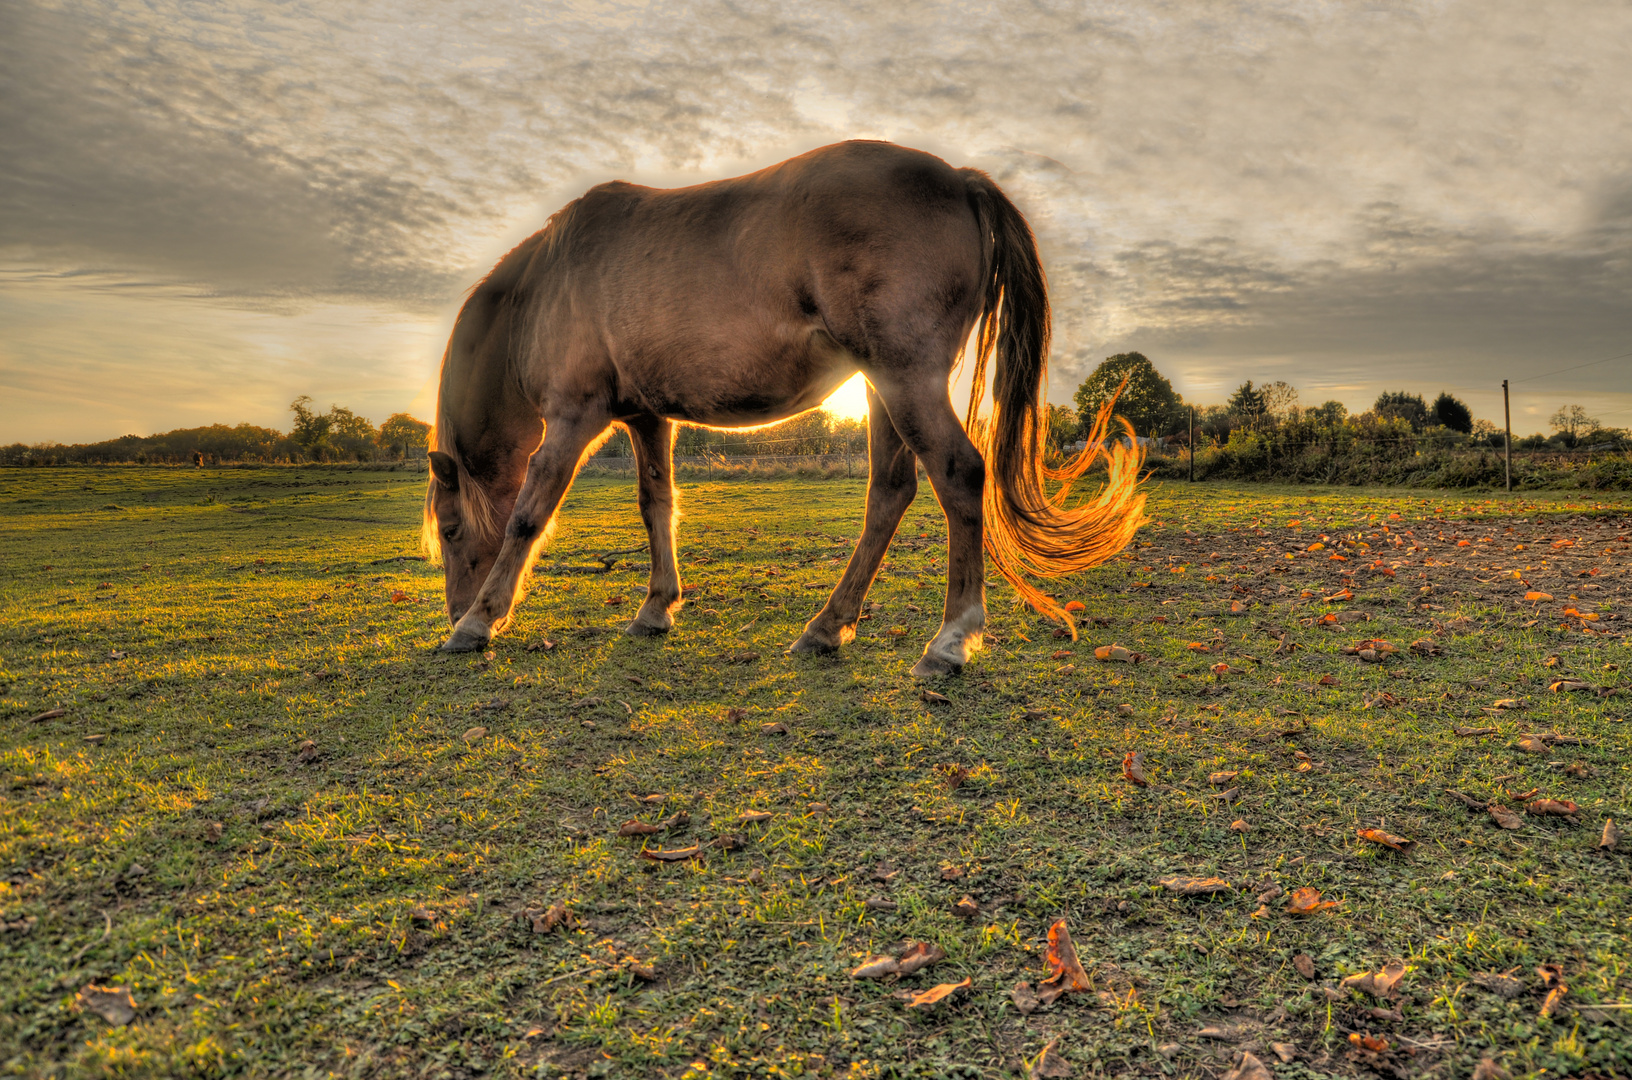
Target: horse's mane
column 492, row 298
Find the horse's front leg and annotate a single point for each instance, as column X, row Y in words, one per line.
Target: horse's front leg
column 892, row 484
column 653, row 439
column 923, row 415
column 549, row 474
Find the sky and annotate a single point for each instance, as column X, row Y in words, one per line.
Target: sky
column 207, row 209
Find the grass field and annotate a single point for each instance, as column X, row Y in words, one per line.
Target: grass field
column 265, row 812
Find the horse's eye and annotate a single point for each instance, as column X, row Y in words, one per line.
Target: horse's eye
column 451, row 533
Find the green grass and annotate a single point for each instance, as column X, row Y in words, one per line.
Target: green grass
column 359, row 914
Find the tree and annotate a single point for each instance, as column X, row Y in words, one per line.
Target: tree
column 311, row 430
column 1247, row 405
column 401, row 435
column 1399, row 405
column 351, row 434
column 1149, row 403
column 1063, row 427
column 1328, row 413
column 1280, row 398
column 1452, row 413
column 1571, row 421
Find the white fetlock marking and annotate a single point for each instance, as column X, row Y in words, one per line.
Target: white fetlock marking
column 960, row 638
column 472, row 624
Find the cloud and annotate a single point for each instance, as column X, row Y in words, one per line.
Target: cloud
column 1335, row 194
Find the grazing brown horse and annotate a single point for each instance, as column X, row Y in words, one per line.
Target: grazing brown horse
column 746, row 301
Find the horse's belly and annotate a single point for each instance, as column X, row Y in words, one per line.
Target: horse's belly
column 731, row 388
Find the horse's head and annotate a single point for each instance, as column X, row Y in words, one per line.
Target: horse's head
column 459, row 523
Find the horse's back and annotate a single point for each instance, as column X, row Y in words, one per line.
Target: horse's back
column 748, row 299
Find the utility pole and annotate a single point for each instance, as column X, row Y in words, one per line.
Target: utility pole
column 1192, row 444
column 1507, row 441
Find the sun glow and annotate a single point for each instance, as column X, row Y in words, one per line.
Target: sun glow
column 849, row 401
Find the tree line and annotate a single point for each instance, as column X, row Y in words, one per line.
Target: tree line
column 1149, row 403
column 1156, row 410
column 336, row 435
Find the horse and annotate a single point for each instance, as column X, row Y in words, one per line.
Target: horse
column 745, row 301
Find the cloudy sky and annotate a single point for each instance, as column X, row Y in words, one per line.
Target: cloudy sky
column 208, row 208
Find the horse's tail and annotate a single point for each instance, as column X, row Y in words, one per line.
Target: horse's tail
column 1028, row 531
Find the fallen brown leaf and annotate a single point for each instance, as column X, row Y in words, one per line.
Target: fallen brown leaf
column 1065, row 970
column 936, row 994
column 213, row 831
column 1469, row 732
column 1194, row 886
column 1219, row 779
column 1024, row 998
column 876, row 968
column 637, row 827
column 473, row 734
column 1560, row 807
column 966, row 908
column 306, row 753
column 1307, row 900
column 1612, row 835
column 1379, row 984
column 776, row 728
column 1250, row 1068
column 49, row 714
column 1567, row 686
column 1305, row 965
column 1552, row 977
column 613, row 600
column 1133, row 768
column 1117, row 653
column 556, row 916
column 1504, row 817
column 112, row 1003
column 1368, row 1042
column 930, row 697
column 919, row 955
column 1240, row 826
column 1427, row 647
column 675, row 855
column 1487, row 1069
column 878, row 903
column 1050, row 1063
column 954, row 775
column 1533, row 744
column 951, row 872
column 1388, row 840
column 753, row 817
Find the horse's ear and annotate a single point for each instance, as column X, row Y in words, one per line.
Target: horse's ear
column 445, row 469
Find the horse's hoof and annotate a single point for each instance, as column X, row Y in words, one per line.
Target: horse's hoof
column 815, row 646
column 640, row 629
column 463, row 640
column 928, row 666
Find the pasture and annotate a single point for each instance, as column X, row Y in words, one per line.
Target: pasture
column 308, row 845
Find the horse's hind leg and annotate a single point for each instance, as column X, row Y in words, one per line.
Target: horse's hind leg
column 923, row 415
column 653, row 439
column 891, row 486
column 549, row 474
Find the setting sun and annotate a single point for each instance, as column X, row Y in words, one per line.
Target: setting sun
column 848, row 402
